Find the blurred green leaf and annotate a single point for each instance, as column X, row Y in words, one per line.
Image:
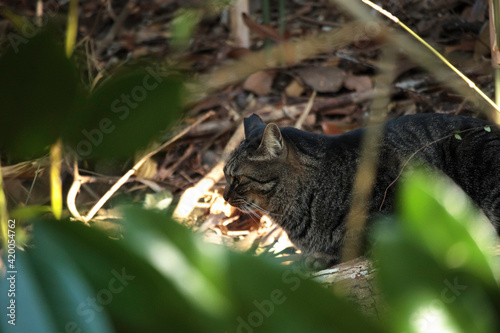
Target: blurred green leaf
column 26, row 213
column 42, row 99
column 18, row 21
column 269, row 298
column 448, row 225
column 161, row 278
column 432, row 270
column 125, row 113
column 244, row 292
column 197, row 271
column 38, row 89
column 125, row 287
column 30, row 301
column 183, row 26
column 49, row 294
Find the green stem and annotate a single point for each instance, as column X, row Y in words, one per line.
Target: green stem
column 266, row 11
column 72, row 29
column 282, row 17
column 433, row 50
column 4, row 218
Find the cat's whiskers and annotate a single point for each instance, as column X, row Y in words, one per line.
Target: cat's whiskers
column 254, row 205
column 253, row 215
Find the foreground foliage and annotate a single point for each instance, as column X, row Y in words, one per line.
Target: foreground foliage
column 432, row 266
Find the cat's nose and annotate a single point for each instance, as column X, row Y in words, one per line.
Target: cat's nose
column 226, row 193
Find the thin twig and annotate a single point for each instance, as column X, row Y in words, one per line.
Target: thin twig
column 306, row 111
column 136, row 167
column 39, row 12
column 322, row 23
column 165, row 173
column 283, row 54
column 191, row 196
column 116, row 26
column 437, row 54
column 111, row 12
column 32, row 184
column 73, row 191
column 415, row 153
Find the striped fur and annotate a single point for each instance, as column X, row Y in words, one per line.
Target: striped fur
column 304, row 180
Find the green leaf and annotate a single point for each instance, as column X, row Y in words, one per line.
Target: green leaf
column 457, row 136
column 487, row 128
column 49, row 294
column 434, row 269
column 29, row 297
column 194, row 270
column 123, row 286
column 443, row 218
column 125, row 113
column 160, row 277
column 269, row 298
column 183, row 26
column 38, row 89
column 245, row 293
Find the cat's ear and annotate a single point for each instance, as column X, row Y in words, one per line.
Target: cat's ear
column 272, row 141
column 250, row 123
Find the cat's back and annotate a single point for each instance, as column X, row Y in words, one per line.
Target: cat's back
column 422, row 127
column 438, row 134
column 464, row 148
column 325, row 147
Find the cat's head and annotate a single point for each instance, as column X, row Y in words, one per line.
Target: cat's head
column 256, row 171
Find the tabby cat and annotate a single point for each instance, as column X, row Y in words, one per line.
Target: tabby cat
column 304, row 180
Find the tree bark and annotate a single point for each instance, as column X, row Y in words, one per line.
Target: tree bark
column 355, row 280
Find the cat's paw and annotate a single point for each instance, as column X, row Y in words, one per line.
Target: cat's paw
column 318, row 261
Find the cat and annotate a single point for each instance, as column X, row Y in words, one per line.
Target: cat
column 304, row 180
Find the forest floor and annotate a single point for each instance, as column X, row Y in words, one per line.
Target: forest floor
column 335, row 88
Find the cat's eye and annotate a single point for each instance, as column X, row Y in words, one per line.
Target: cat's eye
column 236, row 181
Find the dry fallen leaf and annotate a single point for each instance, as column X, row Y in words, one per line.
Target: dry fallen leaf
column 482, row 44
column 221, row 206
column 294, row 89
column 340, row 111
column 465, row 45
column 259, row 83
column 148, row 169
column 358, row 83
column 330, row 128
column 261, row 30
column 323, row 79
column 237, row 52
column 310, row 120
